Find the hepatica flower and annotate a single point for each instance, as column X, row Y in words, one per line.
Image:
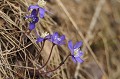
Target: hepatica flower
column 39, row 7
column 33, row 19
column 56, row 39
column 75, row 51
column 44, row 36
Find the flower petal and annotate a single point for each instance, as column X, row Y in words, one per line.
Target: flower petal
column 62, row 37
column 60, row 40
column 50, row 39
column 33, row 7
column 80, row 53
column 70, row 46
column 55, row 35
column 41, row 12
column 34, row 13
column 78, row 45
column 31, row 26
column 61, row 43
column 56, row 41
column 39, row 40
column 74, row 60
column 79, row 59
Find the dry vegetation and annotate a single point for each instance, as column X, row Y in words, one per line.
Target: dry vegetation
column 95, row 22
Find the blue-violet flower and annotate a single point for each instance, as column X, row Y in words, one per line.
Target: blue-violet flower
column 75, row 51
column 33, row 19
column 39, row 6
column 57, row 40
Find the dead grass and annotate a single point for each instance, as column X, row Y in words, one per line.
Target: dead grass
column 96, row 22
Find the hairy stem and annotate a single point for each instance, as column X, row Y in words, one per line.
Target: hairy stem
column 57, row 66
column 40, row 50
column 48, row 57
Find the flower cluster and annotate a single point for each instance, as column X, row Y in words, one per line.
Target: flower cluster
column 76, row 53
column 33, row 18
column 54, row 38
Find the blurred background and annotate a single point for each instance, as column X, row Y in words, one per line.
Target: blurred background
column 95, row 22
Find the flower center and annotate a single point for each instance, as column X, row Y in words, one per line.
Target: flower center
column 31, row 19
column 41, row 3
column 56, row 38
column 76, row 52
column 43, row 35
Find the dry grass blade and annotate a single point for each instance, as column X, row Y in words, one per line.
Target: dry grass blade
column 6, row 18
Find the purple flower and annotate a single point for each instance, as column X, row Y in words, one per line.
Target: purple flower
column 41, row 10
column 57, row 40
column 33, row 19
column 44, row 36
column 75, row 51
